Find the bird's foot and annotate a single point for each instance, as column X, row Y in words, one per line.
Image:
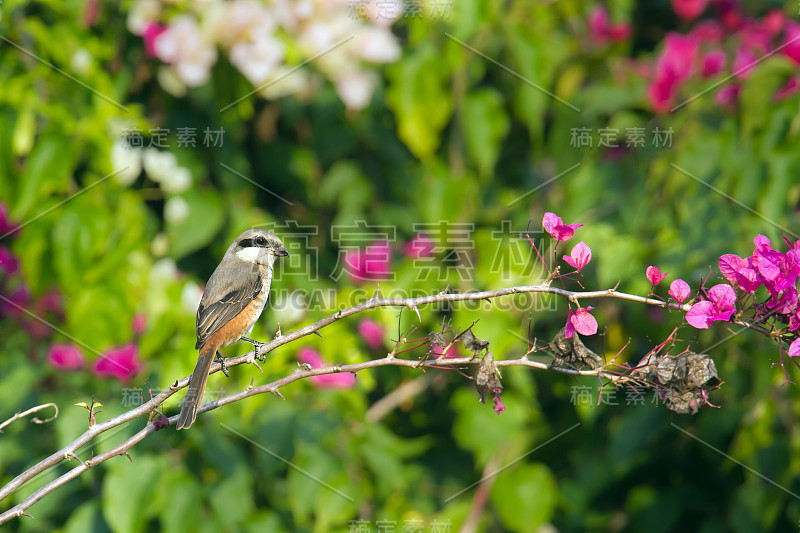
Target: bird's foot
column 224, row 367
column 257, row 346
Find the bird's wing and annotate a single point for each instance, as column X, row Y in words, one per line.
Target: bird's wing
column 231, row 287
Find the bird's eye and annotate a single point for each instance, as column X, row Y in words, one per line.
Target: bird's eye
column 260, row 241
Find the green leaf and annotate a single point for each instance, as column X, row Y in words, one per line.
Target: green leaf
column 179, row 496
column 232, row 498
column 204, row 220
column 127, row 491
column 479, row 429
column 758, row 90
column 485, row 125
column 87, row 517
column 525, row 496
column 46, row 172
column 419, row 96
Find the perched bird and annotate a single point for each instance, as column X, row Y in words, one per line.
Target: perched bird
column 235, row 296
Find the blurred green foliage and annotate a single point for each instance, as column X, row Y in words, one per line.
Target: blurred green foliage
column 450, row 136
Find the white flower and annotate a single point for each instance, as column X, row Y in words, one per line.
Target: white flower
column 160, row 245
column 176, row 181
column 190, row 296
column 159, row 165
column 81, row 61
column 183, row 46
column 355, row 88
column 176, row 209
column 164, row 269
column 293, row 13
column 127, row 161
column 299, row 83
column 240, row 21
column 385, row 12
column 259, row 59
column 141, row 13
column 377, row 45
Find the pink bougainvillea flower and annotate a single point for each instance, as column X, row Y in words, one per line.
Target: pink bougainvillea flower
column 65, row 356
column 678, row 57
column 755, row 37
column 150, row 34
column 679, row 290
column 661, row 93
column 766, row 260
column 370, row 263
column 453, row 352
column 121, row 363
column 580, row 256
column 619, row 32
column 739, row 272
column 791, row 42
column 794, row 348
column 719, row 306
column 744, row 62
column 598, row 23
column 713, row 63
column 784, row 303
column 498, row 401
column 673, row 66
column 16, row 301
column 654, row 275
column 689, row 9
column 52, row 301
column 580, row 321
column 139, row 323
column 371, row 332
column 708, row 31
column 727, row 95
column 420, row 246
column 787, row 90
column 341, row 380
column 9, row 263
column 602, row 31
column 773, row 22
column 553, row 225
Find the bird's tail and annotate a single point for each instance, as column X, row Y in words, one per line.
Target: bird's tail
column 197, row 387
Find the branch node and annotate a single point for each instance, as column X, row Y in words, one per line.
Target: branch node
column 277, row 393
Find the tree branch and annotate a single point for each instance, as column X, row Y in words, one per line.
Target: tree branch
column 69, row 451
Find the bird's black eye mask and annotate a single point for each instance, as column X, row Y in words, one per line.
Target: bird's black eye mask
column 256, row 242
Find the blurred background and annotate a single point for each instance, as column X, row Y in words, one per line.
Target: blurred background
column 403, row 145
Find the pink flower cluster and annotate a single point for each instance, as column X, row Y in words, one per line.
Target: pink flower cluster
column 36, row 317
column 341, row 380
column 580, row 320
column 602, row 31
column 702, row 51
column 770, row 268
column 371, row 262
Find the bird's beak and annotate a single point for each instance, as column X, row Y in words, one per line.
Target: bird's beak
column 281, row 252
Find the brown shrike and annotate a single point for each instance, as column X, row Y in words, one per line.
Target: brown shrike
column 235, row 296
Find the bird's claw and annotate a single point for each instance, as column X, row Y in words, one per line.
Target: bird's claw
column 223, row 366
column 257, row 346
